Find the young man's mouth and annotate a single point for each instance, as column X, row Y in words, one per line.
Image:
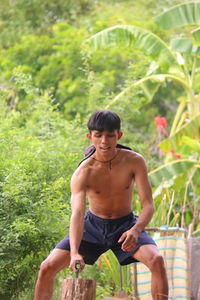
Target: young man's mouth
column 105, row 148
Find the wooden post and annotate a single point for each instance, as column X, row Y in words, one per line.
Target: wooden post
column 78, row 289
column 189, row 262
column 135, row 283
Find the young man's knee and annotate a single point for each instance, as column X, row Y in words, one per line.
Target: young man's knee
column 46, row 269
column 157, row 263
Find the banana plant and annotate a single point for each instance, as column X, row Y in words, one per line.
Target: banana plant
column 176, row 193
column 180, row 58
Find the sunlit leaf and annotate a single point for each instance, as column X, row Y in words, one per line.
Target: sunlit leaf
column 194, row 144
column 196, row 36
column 140, row 92
column 180, row 15
column 175, row 219
column 170, row 170
column 132, row 36
column 112, row 264
column 147, row 87
column 184, row 45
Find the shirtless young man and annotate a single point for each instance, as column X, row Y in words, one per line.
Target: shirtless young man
column 107, row 177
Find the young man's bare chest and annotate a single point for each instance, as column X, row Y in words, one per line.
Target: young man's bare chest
column 105, row 181
column 110, row 191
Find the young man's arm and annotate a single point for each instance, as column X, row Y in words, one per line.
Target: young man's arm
column 145, row 194
column 78, row 201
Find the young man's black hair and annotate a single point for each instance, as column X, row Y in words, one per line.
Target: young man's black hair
column 104, row 120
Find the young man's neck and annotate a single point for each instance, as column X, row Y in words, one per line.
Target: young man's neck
column 105, row 156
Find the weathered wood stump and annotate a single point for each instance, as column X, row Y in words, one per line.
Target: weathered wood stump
column 78, row 289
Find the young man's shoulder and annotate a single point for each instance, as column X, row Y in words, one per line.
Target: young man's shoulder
column 132, row 154
column 135, row 160
column 84, row 168
column 79, row 178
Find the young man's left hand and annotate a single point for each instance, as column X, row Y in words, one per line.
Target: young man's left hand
column 129, row 239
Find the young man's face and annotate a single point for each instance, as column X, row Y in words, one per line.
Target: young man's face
column 104, row 141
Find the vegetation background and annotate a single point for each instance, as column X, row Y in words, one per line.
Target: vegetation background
column 50, row 82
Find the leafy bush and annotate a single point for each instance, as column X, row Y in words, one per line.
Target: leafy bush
column 39, row 151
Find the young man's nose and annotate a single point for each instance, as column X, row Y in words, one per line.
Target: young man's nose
column 104, row 139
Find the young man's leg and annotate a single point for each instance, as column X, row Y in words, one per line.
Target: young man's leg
column 56, row 261
column 150, row 256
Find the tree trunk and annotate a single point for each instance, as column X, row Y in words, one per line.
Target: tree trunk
column 78, row 289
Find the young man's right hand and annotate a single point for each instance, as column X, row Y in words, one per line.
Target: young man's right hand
column 73, row 261
column 129, row 239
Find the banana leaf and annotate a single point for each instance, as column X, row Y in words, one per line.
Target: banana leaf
column 170, row 170
column 180, row 15
column 133, row 36
column 112, row 264
column 184, row 45
column 196, row 36
column 193, row 144
column 147, row 86
column 140, row 92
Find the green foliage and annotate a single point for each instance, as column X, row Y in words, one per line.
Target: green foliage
column 25, row 16
column 177, row 140
column 121, row 275
column 54, row 64
column 38, row 156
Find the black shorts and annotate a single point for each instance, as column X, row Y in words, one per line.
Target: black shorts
column 101, row 235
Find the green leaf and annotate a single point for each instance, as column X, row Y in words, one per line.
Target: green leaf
column 194, row 144
column 170, row 170
column 180, row 181
column 175, row 219
column 112, row 264
column 184, row 45
column 132, row 36
column 191, row 129
column 196, row 36
column 180, row 15
column 141, row 92
column 148, row 86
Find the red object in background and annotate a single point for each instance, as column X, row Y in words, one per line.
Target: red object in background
column 172, row 153
column 161, row 124
column 160, row 121
column 175, row 154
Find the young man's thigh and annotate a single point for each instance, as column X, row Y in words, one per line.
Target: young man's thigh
column 58, row 259
column 146, row 253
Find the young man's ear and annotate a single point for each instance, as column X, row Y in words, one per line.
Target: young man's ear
column 88, row 135
column 120, row 133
